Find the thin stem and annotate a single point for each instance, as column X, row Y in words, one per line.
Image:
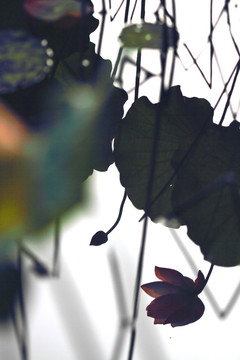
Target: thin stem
column 209, row 274
column 211, row 42
column 120, row 51
column 110, row 7
column 148, row 201
column 143, row 10
column 230, row 94
column 117, row 62
column 206, row 280
column 137, row 287
column 144, row 231
column 20, row 341
column 134, row 8
column 138, row 72
column 198, row 67
column 126, row 11
column 119, row 214
column 103, row 13
column 194, row 268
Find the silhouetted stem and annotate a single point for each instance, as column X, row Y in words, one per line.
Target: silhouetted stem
column 148, row 192
column 209, row 274
column 207, row 278
column 120, row 213
column 230, row 94
column 194, row 267
column 103, row 13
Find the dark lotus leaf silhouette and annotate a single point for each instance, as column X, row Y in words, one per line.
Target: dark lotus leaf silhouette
column 180, row 119
column 206, row 193
column 197, row 173
column 176, row 298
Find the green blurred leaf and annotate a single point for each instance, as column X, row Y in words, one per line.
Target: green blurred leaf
column 147, row 35
column 42, row 176
column 23, row 60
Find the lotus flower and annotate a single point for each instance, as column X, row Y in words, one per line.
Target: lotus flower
column 176, row 301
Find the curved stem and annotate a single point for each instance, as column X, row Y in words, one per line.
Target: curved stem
column 120, row 213
column 206, row 280
column 209, row 274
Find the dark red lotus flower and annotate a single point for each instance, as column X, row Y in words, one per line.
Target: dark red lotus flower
column 176, row 301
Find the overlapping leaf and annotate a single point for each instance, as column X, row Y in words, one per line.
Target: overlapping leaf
column 180, row 119
column 206, row 194
column 23, row 60
column 197, row 177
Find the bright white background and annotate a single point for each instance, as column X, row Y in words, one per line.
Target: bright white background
column 76, row 316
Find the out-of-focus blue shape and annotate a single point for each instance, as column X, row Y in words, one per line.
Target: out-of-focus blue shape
column 24, row 60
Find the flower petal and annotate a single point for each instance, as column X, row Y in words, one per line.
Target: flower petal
column 159, row 288
column 174, row 277
column 189, row 284
column 188, row 314
column 160, row 321
column 164, row 306
column 199, row 282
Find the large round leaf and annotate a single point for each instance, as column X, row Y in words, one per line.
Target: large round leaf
column 206, row 193
column 180, row 118
column 23, row 60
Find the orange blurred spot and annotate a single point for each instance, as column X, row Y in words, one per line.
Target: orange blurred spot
column 13, row 133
